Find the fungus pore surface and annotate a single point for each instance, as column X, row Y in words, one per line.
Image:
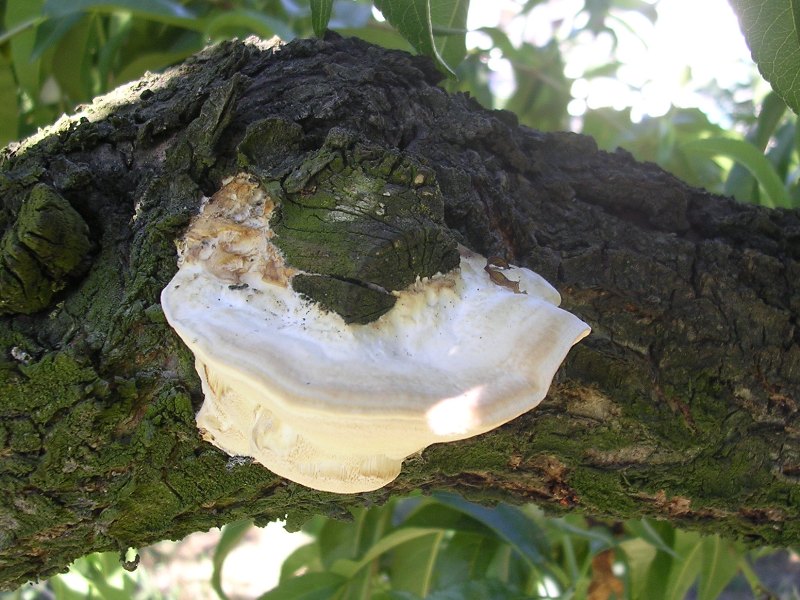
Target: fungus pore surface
column 338, row 407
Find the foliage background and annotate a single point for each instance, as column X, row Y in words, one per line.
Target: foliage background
column 57, row 54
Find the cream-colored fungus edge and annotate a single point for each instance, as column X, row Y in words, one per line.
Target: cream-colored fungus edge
column 338, row 407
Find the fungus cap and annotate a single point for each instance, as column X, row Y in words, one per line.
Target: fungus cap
column 338, row 407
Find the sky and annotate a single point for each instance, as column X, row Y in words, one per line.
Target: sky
column 693, row 44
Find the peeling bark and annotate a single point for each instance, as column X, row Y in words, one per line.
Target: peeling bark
column 681, row 405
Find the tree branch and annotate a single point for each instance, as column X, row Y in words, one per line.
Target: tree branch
column 682, row 404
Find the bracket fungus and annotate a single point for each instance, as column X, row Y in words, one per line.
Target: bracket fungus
column 337, row 406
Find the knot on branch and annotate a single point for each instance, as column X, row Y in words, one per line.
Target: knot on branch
column 361, row 220
column 47, row 245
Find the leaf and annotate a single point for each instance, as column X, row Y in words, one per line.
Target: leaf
column 720, row 565
column 740, row 183
column 599, row 538
column 639, row 556
column 450, row 20
column 251, row 21
column 543, row 91
column 684, row 571
column 379, row 34
column 18, row 17
column 750, row 157
column 349, row 568
column 9, row 117
column 771, row 30
column 466, row 557
column 419, row 20
column 434, row 514
column 486, row 589
column 99, row 568
column 645, row 530
column 303, row 558
column 20, row 28
column 320, row 15
column 71, row 62
column 311, row 586
column 412, row 567
column 232, row 534
column 337, row 540
column 61, row 590
column 509, row 523
column 152, row 61
column 51, row 31
column 662, row 536
column 163, row 11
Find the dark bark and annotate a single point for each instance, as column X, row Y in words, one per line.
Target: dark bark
column 682, row 404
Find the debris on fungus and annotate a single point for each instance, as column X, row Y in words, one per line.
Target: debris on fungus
column 337, row 406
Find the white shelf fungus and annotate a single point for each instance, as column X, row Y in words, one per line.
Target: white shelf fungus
column 338, row 407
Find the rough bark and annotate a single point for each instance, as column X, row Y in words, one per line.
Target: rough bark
column 682, row 404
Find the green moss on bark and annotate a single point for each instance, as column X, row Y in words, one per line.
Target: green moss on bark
column 48, row 243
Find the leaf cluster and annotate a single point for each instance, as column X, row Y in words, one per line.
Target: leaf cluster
column 443, row 548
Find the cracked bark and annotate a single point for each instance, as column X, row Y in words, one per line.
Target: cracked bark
column 682, row 404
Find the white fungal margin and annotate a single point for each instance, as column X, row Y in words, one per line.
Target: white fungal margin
column 338, row 407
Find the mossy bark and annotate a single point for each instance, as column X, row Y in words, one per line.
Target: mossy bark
column 682, row 404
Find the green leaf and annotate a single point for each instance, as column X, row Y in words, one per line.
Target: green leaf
column 98, row 569
column 739, row 182
column 18, row 17
column 305, row 557
column 771, row 30
column 466, row 557
column 152, row 61
column 450, row 20
column 9, row 116
column 163, row 11
column 232, row 534
column 509, row 523
column 71, row 62
column 249, row 21
column 51, row 31
column 750, row 157
column 422, row 21
column 720, row 565
column 349, row 568
column 769, row 117
column 19, row 28
column 118, row 29
column 320, row 15
column 412, row 567
column 599, row 538
column 639, row 555
column 662, row 536
column 487, row 589
column 337, row 540
column 650, row 533
column 311, row 586
column 62, row 591
column 543, row 91
column 685, row 570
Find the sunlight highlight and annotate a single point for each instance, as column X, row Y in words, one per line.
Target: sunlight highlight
column 456, row 415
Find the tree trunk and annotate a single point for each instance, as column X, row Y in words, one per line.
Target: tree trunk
column 681, row 404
